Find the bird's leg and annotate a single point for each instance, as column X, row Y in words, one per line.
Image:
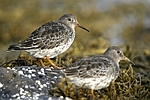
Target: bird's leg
column 93, row 95
column 92, row 92
column 48, row 59
column 43, row 64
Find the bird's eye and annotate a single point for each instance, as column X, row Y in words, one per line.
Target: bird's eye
column 69, row 19
column 118, row 52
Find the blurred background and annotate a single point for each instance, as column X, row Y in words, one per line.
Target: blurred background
column 125, row 23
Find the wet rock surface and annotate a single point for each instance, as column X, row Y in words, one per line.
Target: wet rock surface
column 26, row 82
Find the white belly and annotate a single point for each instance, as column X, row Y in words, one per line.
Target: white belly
column 92, row 83
column 51, row 53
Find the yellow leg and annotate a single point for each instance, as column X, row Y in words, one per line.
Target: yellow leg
column 48, row 59
column 92, row 92
column 42, row 63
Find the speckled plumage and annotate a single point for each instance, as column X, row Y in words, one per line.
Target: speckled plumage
column 96, row 72
column 50, row 39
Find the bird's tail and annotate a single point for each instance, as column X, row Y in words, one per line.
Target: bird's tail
column 13, row 48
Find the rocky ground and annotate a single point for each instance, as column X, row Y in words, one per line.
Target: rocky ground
column 23, row 79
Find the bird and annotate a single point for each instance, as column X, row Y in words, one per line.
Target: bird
column 97, row 71
column 50, row 39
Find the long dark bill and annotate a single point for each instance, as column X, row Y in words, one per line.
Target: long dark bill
column 79, row 25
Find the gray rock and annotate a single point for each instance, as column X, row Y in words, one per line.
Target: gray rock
column 27, row 82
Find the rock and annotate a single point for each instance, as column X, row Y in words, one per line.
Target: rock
column 27, row 82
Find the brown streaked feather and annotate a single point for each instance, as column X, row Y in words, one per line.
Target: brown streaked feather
column 50, row 35
column 91, row 67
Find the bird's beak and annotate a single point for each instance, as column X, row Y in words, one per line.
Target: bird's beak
column 127, row 59
column 79, row 25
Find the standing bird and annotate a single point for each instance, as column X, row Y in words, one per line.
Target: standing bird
column 96, row 72
column 50, row 39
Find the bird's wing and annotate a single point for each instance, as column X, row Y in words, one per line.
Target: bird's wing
column 91, row 67
column 49, row 35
